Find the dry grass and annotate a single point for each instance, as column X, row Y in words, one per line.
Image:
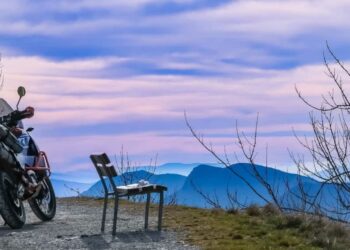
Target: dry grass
column 253, row 210
column 256, row 228
column 270, row 209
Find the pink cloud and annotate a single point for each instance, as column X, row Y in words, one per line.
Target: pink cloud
column 59, row 102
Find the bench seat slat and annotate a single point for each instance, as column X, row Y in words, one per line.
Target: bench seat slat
column 134, row 190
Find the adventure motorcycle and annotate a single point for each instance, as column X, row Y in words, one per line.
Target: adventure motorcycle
column 24, row 170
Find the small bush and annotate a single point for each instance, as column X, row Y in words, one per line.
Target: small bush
column 253, row 210
column 337, row 230
column 216, row 211
column 237, row 237
column 277, row 221
column 232, row 211
column 313, row 224
column 284, row 243
column 321, row 242
column 294, row 221
column 325, row 234
column 270, row 209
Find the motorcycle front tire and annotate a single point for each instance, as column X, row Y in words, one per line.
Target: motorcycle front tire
column 11, row 208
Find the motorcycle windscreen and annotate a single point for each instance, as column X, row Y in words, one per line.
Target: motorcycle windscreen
column 6, row 109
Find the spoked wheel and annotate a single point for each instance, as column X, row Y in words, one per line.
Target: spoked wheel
column 11, row 208
column 44, row 205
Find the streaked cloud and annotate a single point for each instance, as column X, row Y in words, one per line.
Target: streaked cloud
column 123, row 72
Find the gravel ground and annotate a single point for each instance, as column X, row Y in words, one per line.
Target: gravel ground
column 77, row 226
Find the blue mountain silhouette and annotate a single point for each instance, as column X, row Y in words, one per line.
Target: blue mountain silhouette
column 173, row 181
column 217, row 182
column 65, row 188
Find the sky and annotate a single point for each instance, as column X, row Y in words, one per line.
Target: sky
column 105, row 74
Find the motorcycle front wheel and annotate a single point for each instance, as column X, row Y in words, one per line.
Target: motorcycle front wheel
column 44, row 205
column 11, row 208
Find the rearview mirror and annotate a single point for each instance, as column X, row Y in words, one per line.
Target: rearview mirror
column 21, row 91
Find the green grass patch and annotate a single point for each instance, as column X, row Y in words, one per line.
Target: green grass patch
column 254, row 229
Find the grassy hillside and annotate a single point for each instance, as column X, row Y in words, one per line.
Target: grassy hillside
column 255, row 228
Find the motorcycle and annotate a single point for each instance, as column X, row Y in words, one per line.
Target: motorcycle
column 24, row 170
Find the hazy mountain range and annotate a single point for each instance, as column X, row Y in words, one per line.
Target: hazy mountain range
column 68, row 188
column 174, row 182
column 83, row 179
column 90, row 176
column 216, row 182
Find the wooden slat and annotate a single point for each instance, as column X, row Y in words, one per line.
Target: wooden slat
column 103, row 165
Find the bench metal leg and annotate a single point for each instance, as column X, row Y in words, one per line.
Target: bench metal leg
column 147, row 210
column 115, row 215
column 160, row 211
column 104, row 213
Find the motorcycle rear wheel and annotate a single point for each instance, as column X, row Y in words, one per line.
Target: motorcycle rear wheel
column 44, row 205
column 11, row 208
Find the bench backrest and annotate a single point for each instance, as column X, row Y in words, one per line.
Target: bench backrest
column 104, row 168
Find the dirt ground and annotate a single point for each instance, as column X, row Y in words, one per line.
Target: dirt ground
column 77, row 226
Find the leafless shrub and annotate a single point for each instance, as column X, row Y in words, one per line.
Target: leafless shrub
column 337, row 230
column 253, row 210
column 329, row 147
column 234, row 202
column 270, row 209
column 171, row 199
column 232, row 211
column 294, row 220
column 248, row 147
column 216, row 210
column 211, row 199
column 126, row 170
column 327, row 235
column 75, row 190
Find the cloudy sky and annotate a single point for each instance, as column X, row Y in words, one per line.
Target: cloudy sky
column 102, row 74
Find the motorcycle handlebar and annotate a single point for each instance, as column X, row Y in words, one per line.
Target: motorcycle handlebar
column 16, row 116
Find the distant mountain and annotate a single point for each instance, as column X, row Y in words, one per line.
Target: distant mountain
column 180, row 168
column 210, row 180
column 81, row 176
column 64, row 188
column 90, row 175
column 174, row 182
column 218, row 182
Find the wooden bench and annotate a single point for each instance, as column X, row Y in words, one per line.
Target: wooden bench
column 107, row 171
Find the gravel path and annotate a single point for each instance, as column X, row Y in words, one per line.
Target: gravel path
column 77, row 226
